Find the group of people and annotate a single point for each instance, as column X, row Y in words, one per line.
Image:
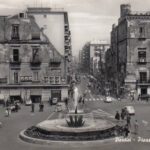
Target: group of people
column 11, row 107
column 41, row 107
column 124, row 116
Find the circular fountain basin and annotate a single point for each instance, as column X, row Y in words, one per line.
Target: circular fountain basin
column 57, row 130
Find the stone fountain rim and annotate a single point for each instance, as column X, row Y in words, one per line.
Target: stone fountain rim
column 61, row 128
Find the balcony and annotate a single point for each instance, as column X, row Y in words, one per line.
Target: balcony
column 35, row 62
column 3, row 80
column 143, row 82
column 15, row 37
column 142, row 61
column 142, row 37
column 55, row 62
column 15, row 64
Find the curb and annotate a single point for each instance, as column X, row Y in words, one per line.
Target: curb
column 50, row 142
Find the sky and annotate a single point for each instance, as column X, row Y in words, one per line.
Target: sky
column 89, row 19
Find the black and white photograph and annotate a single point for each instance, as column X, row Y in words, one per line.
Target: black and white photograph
column 74, row 74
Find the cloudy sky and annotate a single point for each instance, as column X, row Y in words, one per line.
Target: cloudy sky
column 89, row 19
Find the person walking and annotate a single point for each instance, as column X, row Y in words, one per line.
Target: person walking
column 117, row 116
column 32, row 107
column 136, row 127
column 128, row 120
column 66, row 103
column 122, row 114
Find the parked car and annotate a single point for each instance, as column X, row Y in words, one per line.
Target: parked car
column 28, row 102
column 130, row 110
column 54, row 100
column 108, row 99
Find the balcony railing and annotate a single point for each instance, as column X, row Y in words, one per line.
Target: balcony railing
column 142, row 61
column 13, row 62
column 3, row 80
column 142, row 36
column 35, row 62
column 143, row 81
column 55, row 61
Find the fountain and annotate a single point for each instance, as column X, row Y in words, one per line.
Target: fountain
column 75, row 116
column 75, row 126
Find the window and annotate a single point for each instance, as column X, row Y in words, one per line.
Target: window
column 142, row 56
column 141, row 30
column 15, row 55
column 35, row 76
column 51, row 79
column 15, row 32
column 21, row 15
column 142, row 33
column 143, row 91
column 45, row 79
column 15, row 77
column 57, row 80
column 143, row 77
column 35, row 53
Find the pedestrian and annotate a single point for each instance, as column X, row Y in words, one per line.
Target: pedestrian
column 122, row 114
column 16, row 107
column 136, row 127
column 32, row 107
column 117, row 116
column 66, row 102
column 83, row 101
column 40, row 106
column 128, row 120
column 126, row 130
column 7, row 112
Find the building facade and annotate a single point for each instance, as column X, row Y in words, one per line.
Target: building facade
column 55, row 25
column 97, row 57
column 130, row 43
column 30, row 65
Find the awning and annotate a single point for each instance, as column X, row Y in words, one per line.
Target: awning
column 36, row 92
column 2, row 97
column 14, row 92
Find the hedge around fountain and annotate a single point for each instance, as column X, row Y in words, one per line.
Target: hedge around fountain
column 38, row 133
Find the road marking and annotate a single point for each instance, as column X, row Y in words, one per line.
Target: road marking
column 90, row 99
column 100, row 113
column 93, row 99
column 50, row 115
column 97, row 99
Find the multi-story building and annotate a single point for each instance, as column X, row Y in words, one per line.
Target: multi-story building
column 132, row 50
column 85, row 58
column 92, row 56
column 97, row 56
column 30, row 65
column 55, row 25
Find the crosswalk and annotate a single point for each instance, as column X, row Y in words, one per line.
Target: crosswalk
column 94, row 99
column 99, row 113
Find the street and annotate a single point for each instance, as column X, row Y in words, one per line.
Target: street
column 24, row 118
